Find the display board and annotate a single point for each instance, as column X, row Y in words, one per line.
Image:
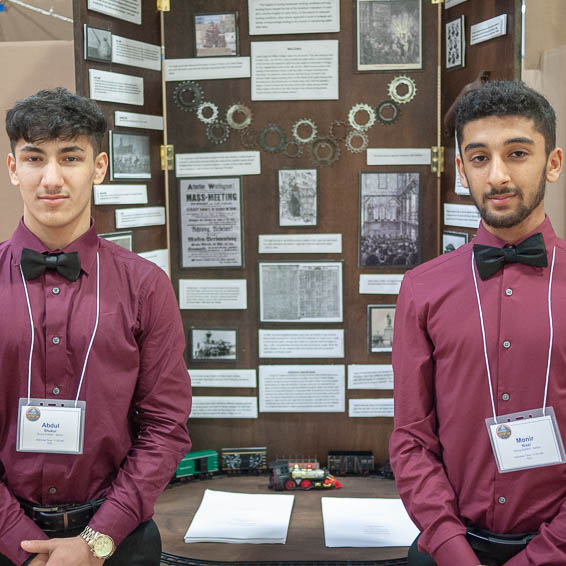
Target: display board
column 301, row 193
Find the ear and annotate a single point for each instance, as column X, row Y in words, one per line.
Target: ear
column 11, row 162
column 460, row 171
column 100, row 167
column 554, row 165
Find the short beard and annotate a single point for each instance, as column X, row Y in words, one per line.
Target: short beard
column 517, row 216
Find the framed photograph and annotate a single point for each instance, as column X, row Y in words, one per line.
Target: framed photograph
column 381, row 320
column 211, row 222
column 216, row 35
column 301, row 291
column 129, row 156
column 213, row 344
column 389, row 219
column 98, row 44
column 297, row 197
column 389, row 35
column 456, row 43
column 453, row 240
column 124, row 239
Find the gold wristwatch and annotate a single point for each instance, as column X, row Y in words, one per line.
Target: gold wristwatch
column 102, row 546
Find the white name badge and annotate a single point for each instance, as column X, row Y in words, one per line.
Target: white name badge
column 526, row 440
column 51, row 426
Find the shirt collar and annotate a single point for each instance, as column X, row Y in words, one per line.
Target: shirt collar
column 86, row 245
column 486, row 238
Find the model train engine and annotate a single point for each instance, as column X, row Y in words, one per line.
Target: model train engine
column 282, row 477
column 244, row 460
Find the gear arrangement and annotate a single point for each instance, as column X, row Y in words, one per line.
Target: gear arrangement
column 323, row 150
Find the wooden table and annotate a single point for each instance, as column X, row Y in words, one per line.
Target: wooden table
column 305, row 541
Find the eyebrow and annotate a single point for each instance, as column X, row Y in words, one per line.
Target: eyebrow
column 67, row 149
column 510, row 141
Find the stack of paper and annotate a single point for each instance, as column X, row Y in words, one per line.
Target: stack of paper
column 241, row 518
column 366, row 522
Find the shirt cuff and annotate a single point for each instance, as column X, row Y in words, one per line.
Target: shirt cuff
column 456, row 550
column 114, row 521
column 23, row 529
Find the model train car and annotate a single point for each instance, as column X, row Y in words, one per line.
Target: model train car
column 282, row 477
column 200, row 463
column 244, row 460
column 343, row 462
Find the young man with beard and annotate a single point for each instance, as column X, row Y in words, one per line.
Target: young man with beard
column 479, row 355
column 95, row 392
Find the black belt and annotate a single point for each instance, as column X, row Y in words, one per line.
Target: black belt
column 60, row 518
column 496, row 545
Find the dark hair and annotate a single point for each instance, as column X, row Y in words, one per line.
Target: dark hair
column 55, row 114
column 508, row 98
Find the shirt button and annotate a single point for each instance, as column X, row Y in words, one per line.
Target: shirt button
column 506, row 396
column 56, row 340
column 56, row 391
column 55, row 290
column 508, row 292
column 501, row 500
column 52, row 490
column 507, row 344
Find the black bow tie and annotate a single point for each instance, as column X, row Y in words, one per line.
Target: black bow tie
column 34, row 264
column 490, row 260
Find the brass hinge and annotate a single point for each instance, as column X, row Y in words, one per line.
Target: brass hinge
column 437, row 159
column 437, row 1
column 167, row 157
column 163, row 5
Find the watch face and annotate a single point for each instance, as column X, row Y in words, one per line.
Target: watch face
column 103, row 546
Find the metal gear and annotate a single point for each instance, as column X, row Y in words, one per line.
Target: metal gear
column 362, row 107
column 188, row 96
column 309, row 124
column 272, row 128
column 356, row 134
column 235, row 110
column 207, row 106
column 338, row 125
column 218, row 132
column 409, row 85
column 294, row 153
column 324, row 152
column 387, row 112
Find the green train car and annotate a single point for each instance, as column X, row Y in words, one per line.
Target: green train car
column 199, row 463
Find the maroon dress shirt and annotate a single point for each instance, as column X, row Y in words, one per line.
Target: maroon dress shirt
column 136, row 386
column 440, row 450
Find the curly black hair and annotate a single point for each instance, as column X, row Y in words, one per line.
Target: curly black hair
column 55, row 114
column 507, row 98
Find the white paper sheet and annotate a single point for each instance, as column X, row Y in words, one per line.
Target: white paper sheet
column 207, row 68
column 370, row 376
column 120, row 194
column 135, row 120
column 159, row 257
column 301, row 343
column 300, row 244
column 463, row 215
column 129, row 10
column 295, row 70
column 135, row 53
column 386, row 284
column 226, row 407
column 207, row 294
column 223, row 377
column 269, row 17
column 366, row 522
column 135, row 217
column 246, row 518
column 214, row 164
column 370, row 408
column 398, row 156
column 494, row 27
column 115, row 87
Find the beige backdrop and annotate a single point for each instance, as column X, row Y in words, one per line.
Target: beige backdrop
column 26, row 67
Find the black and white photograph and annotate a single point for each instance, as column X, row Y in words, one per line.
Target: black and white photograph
column 297, row 197
column 98, row 44
column 453, row 240
column 124, row 239
column 456, row 44
column 381, row 319
column 389, row 35
column 301, row 291
column 389, row 219
column 216, row 35
column 129, row 156
column 213, row 344
column 211, row 222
